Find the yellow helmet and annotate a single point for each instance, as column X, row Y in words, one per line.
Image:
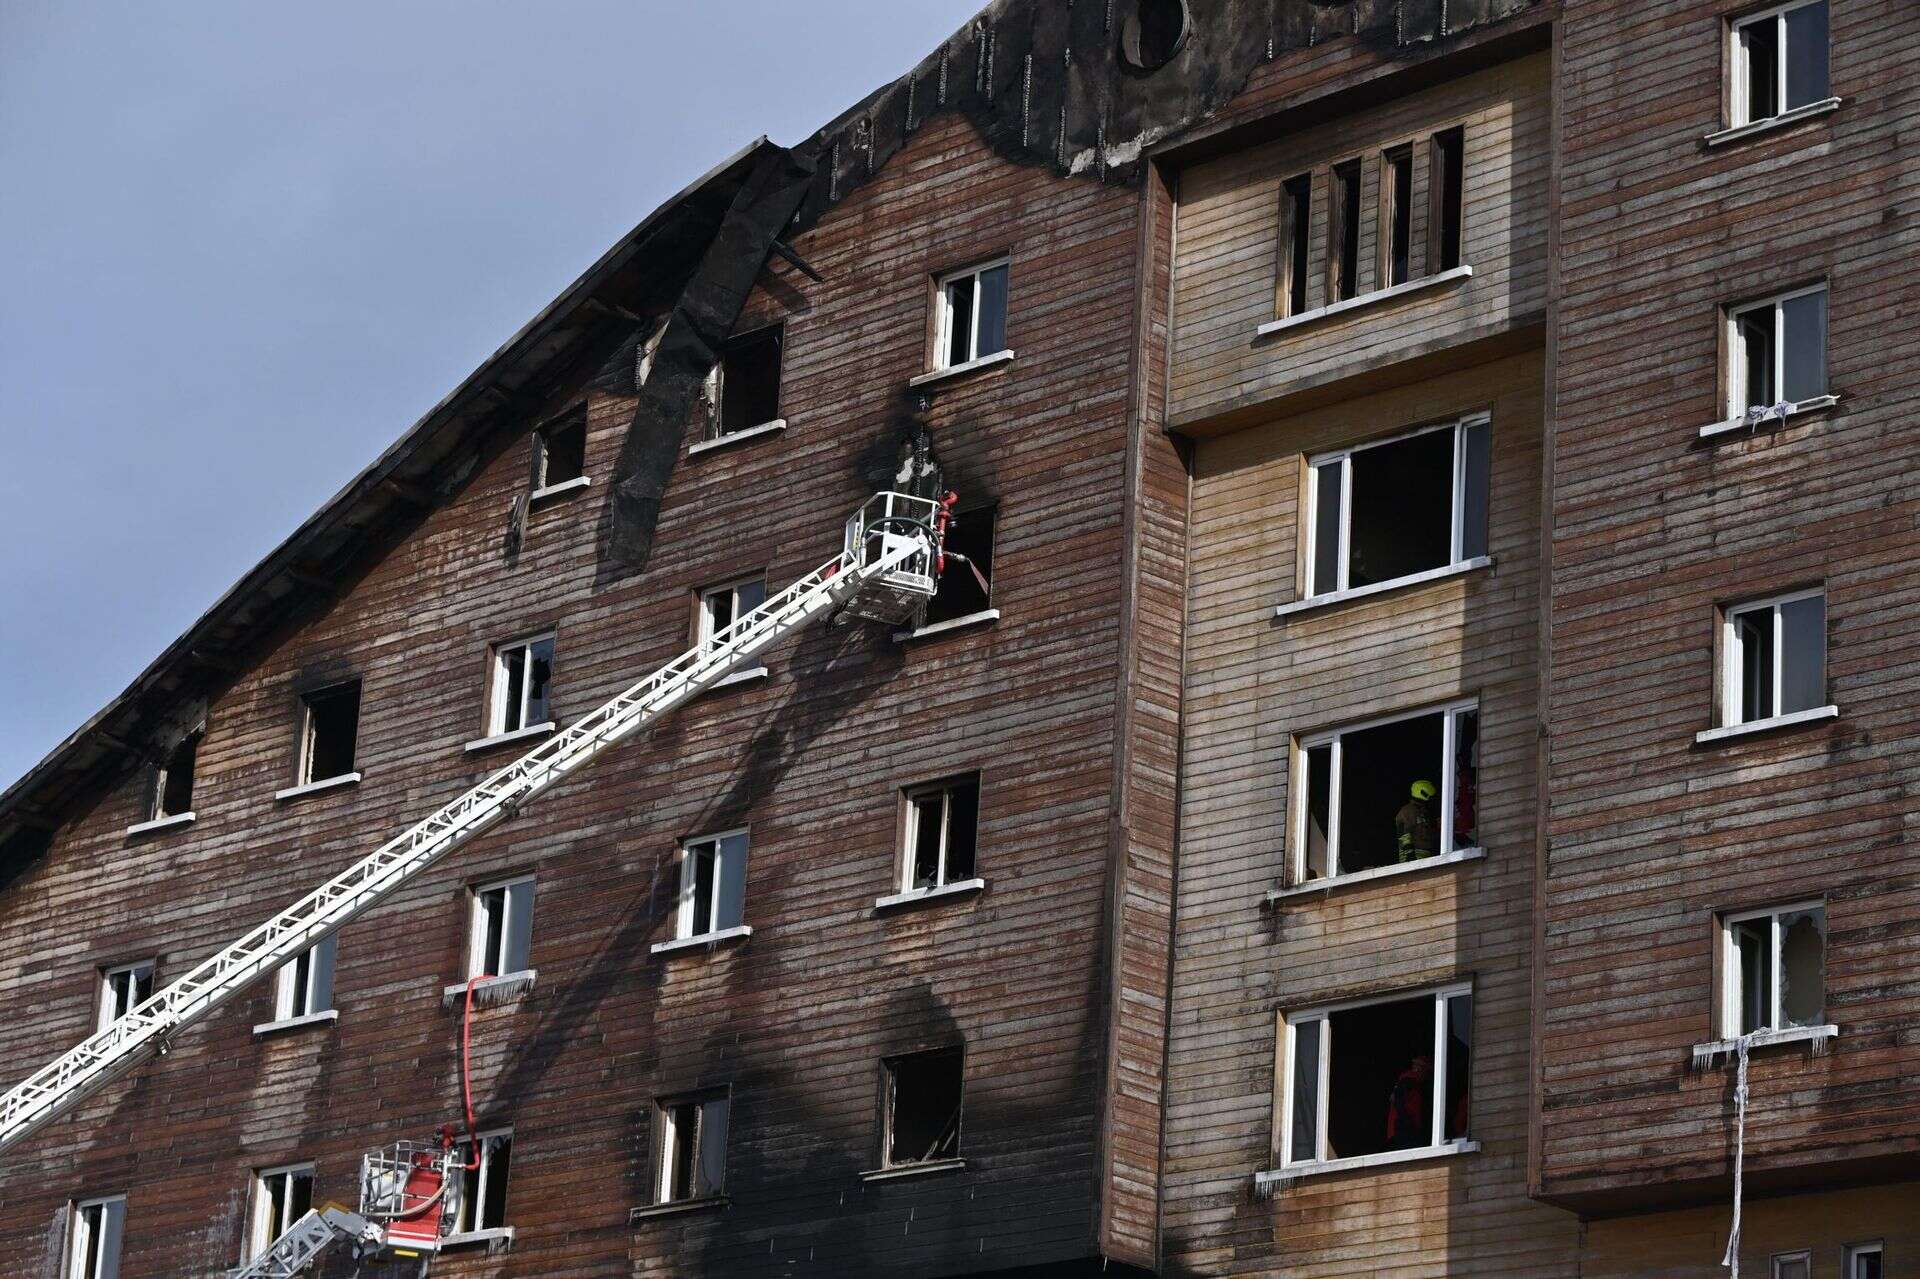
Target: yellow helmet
column 1424, row 790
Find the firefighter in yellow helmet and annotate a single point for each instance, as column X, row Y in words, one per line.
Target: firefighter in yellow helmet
column 1416, row 826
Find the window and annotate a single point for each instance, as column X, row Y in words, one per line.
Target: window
column 1777, row 351
column 304, row 985
column 1343, row 233
column 1779, row 61
column 1863, row 1261
column 713, row 885
column 522, row 679
column 560, row 453
column 1773, row 969
column 123, row 989
column 941, row 825
column 502, row 937
column 483, row 1188
column 1446, row 189
column 973, row 315
column 1793, row 1265
column 966, row 585
column 1775, row 658
column 330, row 722
column 173, row 781
column 281, row 1196
column 745, row 389
column 722, row 606
column 1396, row 216
column 1412, row 504
column 923, row 1108
column 691, row 1154
column 94, row 1227
column 1386, row 793
column 1368, row 1078
column 1296, row 231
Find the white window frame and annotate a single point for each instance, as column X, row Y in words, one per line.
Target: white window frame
column 502, row 666
column 943, row 329
column 1737, row 350
column 910, row 837
column 685, row 926
column 1730, row 971
column 297, row 995
column 1439, row 1144
column 1733, row 655
column 477, row 958
column 482, row 1182
column 542, row 453
column 260, row 1231
column 304, row 778
column 670, row 1137
column 105, row 1015
column 85, row 1260
column 1737, row 60
column 1856, row 1252
column 1456, row 557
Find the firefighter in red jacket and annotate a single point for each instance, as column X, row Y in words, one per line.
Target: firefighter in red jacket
column 1409, row 1116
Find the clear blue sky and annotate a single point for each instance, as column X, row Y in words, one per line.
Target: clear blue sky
column 244, row 245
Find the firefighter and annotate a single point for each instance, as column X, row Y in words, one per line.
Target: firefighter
column 1415, row 826
column 1408, row 1119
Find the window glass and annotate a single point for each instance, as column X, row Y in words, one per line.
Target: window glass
column 1306, row 1091
column 1804, row 355
column 1328, row 519
column 1459, row 1070
column 1803, row 656
column 993, row 312
column 1806, row 31
column 1476, row 442
column 173, row 785
column 1803, row 968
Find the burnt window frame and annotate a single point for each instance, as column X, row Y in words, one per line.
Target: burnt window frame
column 1293, row 294
column 1346, row 216
column 889, row 1104
column 1393, row 239
column 542, row 485
column 924, row 621
column 1446, row 245
column 665, row 1146
column 714, row 429
column 309, row 729
column 164, row 776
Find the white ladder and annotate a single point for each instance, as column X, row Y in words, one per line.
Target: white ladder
column 891, row 549
column 315, row 1232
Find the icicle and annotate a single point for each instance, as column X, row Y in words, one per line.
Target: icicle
column 1732, row 1257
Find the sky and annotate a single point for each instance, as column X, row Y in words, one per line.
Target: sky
column 245, row 245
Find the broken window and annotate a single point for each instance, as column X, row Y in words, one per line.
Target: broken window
column 173, row 781
column 1775, row 658
column 691, row 1160
column 123, row 989
column 1779, row 61
column 1863, row 1261
column 941, row 826
column 330, row 723
column 560, row 452
column 501, row 941
column 1396, row 216
column 281, row 1196
column 1296, row 231
column 966, row 583
column 1367, row 1078
column 713, row 884
column 745, row 390
column 94, row 1229
column 1777, row 351
column 522, row 678
column 973, row 315
column 1446, row 190
column 1793, row 1265
column 482, row 1204
column 1411, row 504
column 1773, row 965
column 1343, row 233
column 304, row 985
column 1386, row 793
column 923, row 1107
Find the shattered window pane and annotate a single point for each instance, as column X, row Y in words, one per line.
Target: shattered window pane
column 1803, row 992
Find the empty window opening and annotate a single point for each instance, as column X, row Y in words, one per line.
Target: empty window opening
column 746, row 384
column 1388, row 793
column 1863, row 1261
column 483, row 1189
column 1343, row 232
column 1777, row 351
column 94, row 1230
column 692, row 1150
column 501, row 942
column 1152, row 33
column 1775, row 658
column 330, row 724
column 713, row 884
column 560, row 452
column 1793, row 1265
column 304, row 985
column 1363, row 1079
column 1296, row 231
column 722, row 606
column 1779, row 61
column 173, row 781
column 966, row 584
column 973, row 315
column 1774, row 969
column 1396, row 216
column 1408, row 505
column 923, row 1107
column 942, row 827
column 123, row 989
column 1446, row 184
column 522, row 680
column 281, row 1196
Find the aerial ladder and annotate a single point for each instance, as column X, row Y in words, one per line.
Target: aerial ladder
column 889, row 564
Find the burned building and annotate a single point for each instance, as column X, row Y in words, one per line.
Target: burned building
column 1400, row 773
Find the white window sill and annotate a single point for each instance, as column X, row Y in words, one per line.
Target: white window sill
column 1310, row 886
column 751, row 676
column 564, row 487
column 1815, row 1037
column 314, row 788
column 914, row 896
column 491, row 990
column 496, row 1237
column 759, row 432
column 1266, row 1182
column 1777, row 413
column 704, row 939
column 1768, row 725
column 961, row 370
column 1772, row 122
column 295, row 1023
column 981, row 618
column 161, row 823
column 1333, row 598
column 676, row 1207
column 1374, row 298
column 904, row 1171
column 517, row 735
